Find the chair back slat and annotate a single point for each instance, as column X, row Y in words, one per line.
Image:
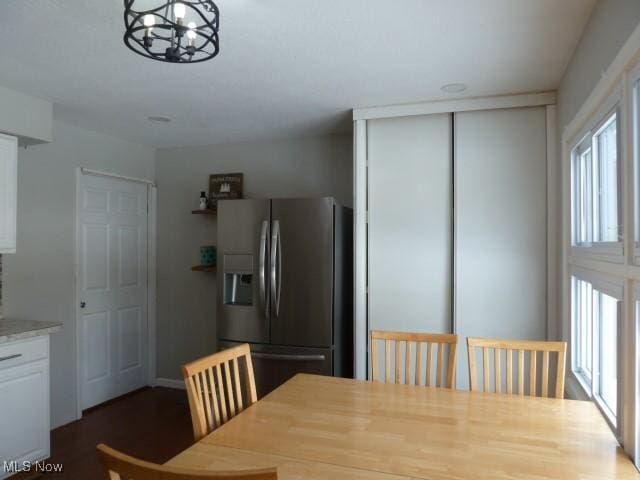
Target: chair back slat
column 375, row 367
column 407, row 361
column 561, row 367
column 409, row 368
column 387, row 359
column 473, row 375
column 123, row 467
column 203, row 385
column 532, row 374
column 539, row 374
column 228, row 393
column 220, row 393
column 397, row 377
column 236, row 379
column 215, row 390
column 498, row 366
column 452, row 368
column 419, row 351
column 545, row 373
column 509, row 371
column 429, row 363
column 441, row 364
column 485, row 366
column 521, row 372
column 214, row 399
column 250, row 379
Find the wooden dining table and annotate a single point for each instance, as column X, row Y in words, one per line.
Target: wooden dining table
column 315, row 427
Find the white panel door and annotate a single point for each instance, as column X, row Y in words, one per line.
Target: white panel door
column 501, row 226
column 112, row 287
column 8, row 192
column 410, row 223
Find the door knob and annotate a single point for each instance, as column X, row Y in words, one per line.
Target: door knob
column 83, row 304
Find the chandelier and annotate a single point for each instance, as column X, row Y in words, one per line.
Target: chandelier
column 172, row 31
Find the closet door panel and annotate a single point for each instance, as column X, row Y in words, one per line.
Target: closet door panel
column 410, row 223
column 501, row 226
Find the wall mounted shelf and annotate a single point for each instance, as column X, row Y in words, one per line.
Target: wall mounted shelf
column 208, row 211
column 204, row 268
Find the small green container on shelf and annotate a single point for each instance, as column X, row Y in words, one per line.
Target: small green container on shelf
column 208, row 256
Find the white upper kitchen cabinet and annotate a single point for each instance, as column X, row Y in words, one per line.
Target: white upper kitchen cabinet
column 8, row 192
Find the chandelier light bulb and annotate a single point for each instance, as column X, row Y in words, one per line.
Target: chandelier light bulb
column 179, row 10
column 149, row 21
column 191, row 34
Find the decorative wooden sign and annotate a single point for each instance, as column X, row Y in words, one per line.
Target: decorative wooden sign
column 225, row 186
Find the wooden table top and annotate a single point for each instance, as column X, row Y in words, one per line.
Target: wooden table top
column 316, row 427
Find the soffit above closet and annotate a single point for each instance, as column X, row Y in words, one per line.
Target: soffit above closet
column 287, row 68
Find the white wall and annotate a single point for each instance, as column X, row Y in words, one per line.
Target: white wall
column 38, row 281
column 309, row 167
column 611, row 23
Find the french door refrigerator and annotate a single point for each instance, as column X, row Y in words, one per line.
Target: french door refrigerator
column 285, row 286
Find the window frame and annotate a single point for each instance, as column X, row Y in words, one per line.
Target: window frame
column 578, row 368
column 577, row 191
column 610, row 117
column 634, row 130
column 598, row 284
column 608, row 251
column 605, row 408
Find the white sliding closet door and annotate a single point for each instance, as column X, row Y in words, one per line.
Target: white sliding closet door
column 501, row 226
column 410, row 223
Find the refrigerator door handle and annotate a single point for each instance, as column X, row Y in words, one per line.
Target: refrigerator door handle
column 262, row 270
column 280, row 356
column 276, row 266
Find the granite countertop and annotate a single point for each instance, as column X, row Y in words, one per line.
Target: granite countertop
column 14, row 329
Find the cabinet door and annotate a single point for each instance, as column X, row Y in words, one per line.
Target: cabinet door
column 24, row 413
column 501, row 227
column 8, row 192
column 410, row 223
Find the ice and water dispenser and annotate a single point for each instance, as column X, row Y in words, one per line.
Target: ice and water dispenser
column 238, row 280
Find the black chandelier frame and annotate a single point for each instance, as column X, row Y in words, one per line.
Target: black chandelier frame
column 170, row 33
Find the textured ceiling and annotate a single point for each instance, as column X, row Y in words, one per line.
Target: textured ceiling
column 287, row 68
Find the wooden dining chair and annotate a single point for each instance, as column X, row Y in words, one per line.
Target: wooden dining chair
column 414, row 356
column 123, row 467
column 215, row 390
column 527, row 351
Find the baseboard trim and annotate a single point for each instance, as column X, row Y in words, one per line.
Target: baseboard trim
column 170, row 383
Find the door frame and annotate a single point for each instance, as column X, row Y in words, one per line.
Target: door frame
column 361, row 116
column 152, row 217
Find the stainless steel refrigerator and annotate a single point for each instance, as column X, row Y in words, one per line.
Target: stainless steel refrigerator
column 285, row 286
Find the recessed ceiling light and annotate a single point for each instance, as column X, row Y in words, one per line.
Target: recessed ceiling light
column 158, row 119
column 453, row 88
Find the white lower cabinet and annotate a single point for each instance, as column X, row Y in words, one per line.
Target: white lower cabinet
column 24, row 403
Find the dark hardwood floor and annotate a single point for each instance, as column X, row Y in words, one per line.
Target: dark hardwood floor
column 152, row 424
